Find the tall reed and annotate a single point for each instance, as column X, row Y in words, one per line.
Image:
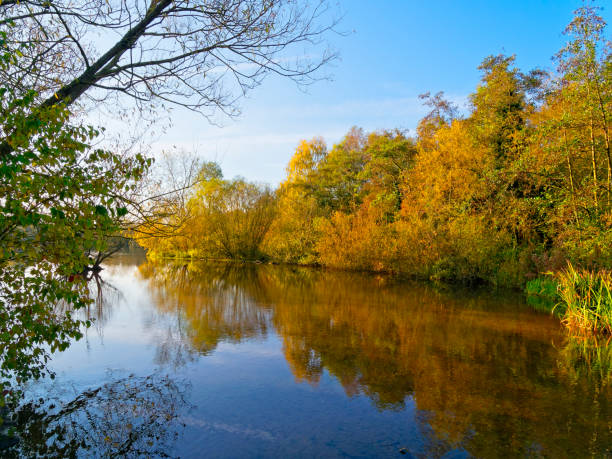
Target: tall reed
column 587, row 298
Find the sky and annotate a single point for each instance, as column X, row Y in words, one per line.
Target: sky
column 391, row 51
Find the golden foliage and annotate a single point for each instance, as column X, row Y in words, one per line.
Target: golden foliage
column 523, row 178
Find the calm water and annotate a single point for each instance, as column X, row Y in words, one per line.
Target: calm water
column 218, row 360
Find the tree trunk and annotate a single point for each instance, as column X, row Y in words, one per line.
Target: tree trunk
column 571, row 177
column 606, row 132
column 592, row 137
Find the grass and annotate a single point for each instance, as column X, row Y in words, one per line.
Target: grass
column 586, row 297
column 542, row 295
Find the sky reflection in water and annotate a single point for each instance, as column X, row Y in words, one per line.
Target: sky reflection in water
column 225, row 360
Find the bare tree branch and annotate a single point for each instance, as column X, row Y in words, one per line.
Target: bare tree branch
column 195, row 52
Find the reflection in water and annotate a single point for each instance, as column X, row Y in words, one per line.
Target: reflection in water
column 283, row 361
column 130, row 417
column 487, row 374
column 106, row 297
column 585, row 359
column 213, row 301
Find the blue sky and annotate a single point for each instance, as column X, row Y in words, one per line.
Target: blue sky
column 394, row 51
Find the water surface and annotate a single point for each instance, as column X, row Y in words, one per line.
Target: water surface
column 230, row 360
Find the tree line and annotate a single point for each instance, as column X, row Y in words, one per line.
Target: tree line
column 517, row 186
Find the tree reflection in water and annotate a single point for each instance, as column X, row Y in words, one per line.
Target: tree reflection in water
column 130, row 417
column 481, row 368
column 212, row 301
column 486, row 374
column 106, row 297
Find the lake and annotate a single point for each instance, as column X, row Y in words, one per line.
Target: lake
column 244, row 360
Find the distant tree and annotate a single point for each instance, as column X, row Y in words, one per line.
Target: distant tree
column 238, row 215
column 220, row 219
column 390, row 155
column 442, row 113
column 586, row 66
column 294, row 230
column 337, row 183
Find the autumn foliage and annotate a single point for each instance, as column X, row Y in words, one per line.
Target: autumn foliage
column 519, row 184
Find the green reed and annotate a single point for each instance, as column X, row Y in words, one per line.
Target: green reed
column 542, row 295
column 586, row 297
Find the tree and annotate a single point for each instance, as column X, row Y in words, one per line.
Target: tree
column 499, row 106
column 585, row 63
column 390, row 154
column 238, row 215
column 337, row 183
column 193, row 53
column 59, row 199
column 293, row 233
column 220, row 219
column 442, row 113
